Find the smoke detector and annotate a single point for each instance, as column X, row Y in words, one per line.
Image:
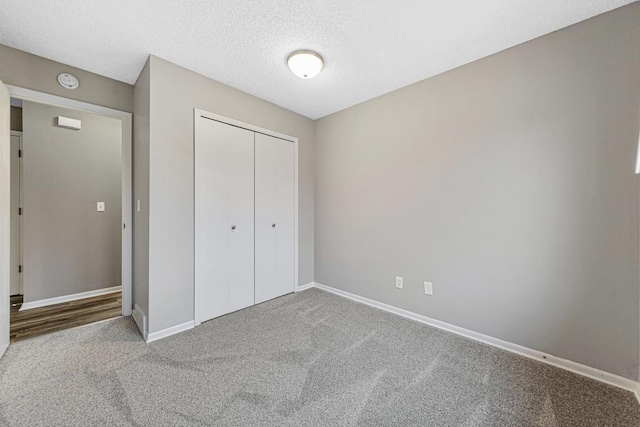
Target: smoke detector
column 68, row 81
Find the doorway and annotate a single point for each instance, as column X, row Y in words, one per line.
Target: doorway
column 70, row 252
column 16, row 200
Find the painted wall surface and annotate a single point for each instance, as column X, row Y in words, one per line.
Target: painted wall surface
column 509, row 184
column 175, row 91
column 141, row 99
column 29, row 71
column 69, row 247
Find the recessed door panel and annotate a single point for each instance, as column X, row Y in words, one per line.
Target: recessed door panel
column 241, row 287
column 285, row 217
column 265, row 245
column 274, row 217
column 223, row 218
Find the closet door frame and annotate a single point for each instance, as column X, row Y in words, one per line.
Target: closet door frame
column 199, row 114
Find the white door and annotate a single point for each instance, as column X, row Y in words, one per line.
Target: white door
column 16, row 147
column 224, row 218
column 275, row 217
column 5, row 221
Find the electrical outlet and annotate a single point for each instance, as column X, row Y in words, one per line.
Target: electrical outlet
column 428, row 288
column 398, row 282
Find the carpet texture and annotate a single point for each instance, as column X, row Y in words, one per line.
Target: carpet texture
column 307, row 359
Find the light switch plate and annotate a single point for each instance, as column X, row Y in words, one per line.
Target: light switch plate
column 100, row 207
column 138, row 205
column 428, row 288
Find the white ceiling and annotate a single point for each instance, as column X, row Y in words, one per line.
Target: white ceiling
column 370, row 46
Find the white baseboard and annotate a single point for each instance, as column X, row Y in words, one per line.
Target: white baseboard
column 140, row 317
column 154, row 336
column 558, row 362
column 67, row 298
column 301, row 288
column 3, row 349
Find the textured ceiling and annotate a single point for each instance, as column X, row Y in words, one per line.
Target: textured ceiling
column 370, row 46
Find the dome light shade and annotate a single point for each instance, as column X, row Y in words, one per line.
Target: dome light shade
column 305, row 63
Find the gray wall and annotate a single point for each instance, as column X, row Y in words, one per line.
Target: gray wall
column 29, row 71
column 68, row 247
column 175, row 91
column 509, row 184
column 141, row 100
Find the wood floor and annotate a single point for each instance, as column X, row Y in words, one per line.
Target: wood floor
column 44, row 320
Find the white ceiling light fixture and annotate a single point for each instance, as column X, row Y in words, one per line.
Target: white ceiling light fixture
column 305, row 64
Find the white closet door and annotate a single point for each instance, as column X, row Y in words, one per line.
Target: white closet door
column 241, row 218
column 274, row 216
column 224, row 222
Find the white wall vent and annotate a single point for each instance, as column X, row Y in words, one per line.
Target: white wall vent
column 67, row 123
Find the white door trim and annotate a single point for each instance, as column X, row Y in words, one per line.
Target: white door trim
column 197, row 112
column 5, row 216
column 127, row 202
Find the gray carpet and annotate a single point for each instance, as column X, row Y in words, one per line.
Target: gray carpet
column 307, row 359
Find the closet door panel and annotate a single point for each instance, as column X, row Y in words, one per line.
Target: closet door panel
column 265, row 198
column 244, row 218
column 211, row 163
column 224, row 220
column 241, row 216
column 285, row 217
column 274, row 217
